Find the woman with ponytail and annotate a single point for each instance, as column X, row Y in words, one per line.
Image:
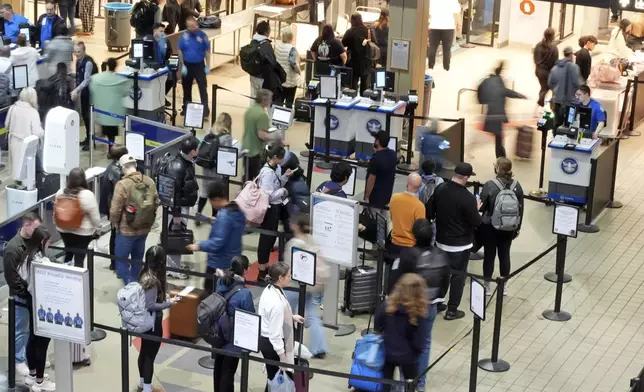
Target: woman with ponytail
column 617, row 44
column 494, row 239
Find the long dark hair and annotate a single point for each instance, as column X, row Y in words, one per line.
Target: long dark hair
column 76, row 181
column 154, row 269
column 356, row 20
column 238, row 266
column 623, row 24
column 36, row 244
column 327, row 32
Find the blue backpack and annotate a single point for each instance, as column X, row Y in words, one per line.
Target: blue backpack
column 368, row 361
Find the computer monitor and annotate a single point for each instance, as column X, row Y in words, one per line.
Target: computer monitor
column 390, row 81
column 282, row 116
column 393, row 143
column 576, row 111
column 346, row 75
column 142, row 49
column 26, row 31
column 379, row 78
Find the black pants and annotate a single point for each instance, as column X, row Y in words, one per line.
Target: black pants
column 444, row 37
column 196, row 72
column 268, row 352
column 253, row 167
column 224, row 373
column 496, row 241
column 457, row 262
column 498, row 145
column 85, row 110
column 409, row 371
column 542, row 76
column 560, row 115
column 76, row 241
column 287, row 97
column 149, row 351
column 363, row 79
column 36, row 351
column 210, row 283
column 110, row 132
column 275, row 214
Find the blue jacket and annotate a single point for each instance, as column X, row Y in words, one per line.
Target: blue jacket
column 331, row 188
column 12, row 28
column 404, row 342
column 225, row 240
column 243, row 300
column 300, row 196
column 194, row 46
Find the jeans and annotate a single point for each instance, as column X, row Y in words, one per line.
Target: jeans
column 423, row 360
column 22, row 330
column 312, row 319
column 457, row 262
column 132, row 247
column 436, row 37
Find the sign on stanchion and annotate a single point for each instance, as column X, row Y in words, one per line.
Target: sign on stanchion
column 564, row 223
column 135, row 144
column 477, row 307
column 227, row 161
column 62, row 310
column 165, row 188
column 304, row 266
column 246, row 332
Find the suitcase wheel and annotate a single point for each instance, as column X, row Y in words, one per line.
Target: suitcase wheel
column 343, row 309
column 351, row 313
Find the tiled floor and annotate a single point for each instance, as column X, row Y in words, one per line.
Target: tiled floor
column 598, row 350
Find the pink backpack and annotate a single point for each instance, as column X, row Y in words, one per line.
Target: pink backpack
column 253, row 202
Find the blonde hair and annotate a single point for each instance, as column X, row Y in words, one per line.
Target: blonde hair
column 29, row 96
column 504, row 168
column 223, row 124
column 287, row 35
column 410, row 292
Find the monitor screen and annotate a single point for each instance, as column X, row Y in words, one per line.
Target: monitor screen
column 25, row 31
column 142, row 49
column 393, row 143
column 571, row 115
column 585, row 116
column 346, row 75
column 281, row 115
column 380, row 78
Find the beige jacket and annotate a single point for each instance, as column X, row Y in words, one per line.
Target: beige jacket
column 119, row 201
column 92, row 220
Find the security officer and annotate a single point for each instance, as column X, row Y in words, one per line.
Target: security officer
column 193, row 48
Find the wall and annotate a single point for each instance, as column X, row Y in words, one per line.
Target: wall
column 527, row 29
column 505, row 12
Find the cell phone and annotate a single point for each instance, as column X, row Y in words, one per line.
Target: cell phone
column 476, row 195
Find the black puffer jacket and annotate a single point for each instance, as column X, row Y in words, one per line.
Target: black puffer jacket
column 431, row 264
column 113, row 174
column 183, row 171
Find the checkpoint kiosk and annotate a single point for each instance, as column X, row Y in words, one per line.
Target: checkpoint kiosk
column 571, row 152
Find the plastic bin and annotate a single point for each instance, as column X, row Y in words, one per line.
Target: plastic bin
column 118, row 31
column 427, row 94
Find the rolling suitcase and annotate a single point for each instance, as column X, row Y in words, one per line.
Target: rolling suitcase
column 47, row 184
column 303, row 110
column 81, row 354
column 524, row 142
column 360, row 290
column 178, row 240
column 183, row 315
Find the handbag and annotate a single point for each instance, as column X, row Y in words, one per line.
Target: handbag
column 281, row 383
column 372, row 51
column 178, row 240
column 368, row 220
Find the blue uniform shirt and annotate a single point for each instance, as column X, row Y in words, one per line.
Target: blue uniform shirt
column 46, row 29
column 12, row 28
column 194, row 46
column 597, row 114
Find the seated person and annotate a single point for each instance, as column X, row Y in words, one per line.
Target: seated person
column 597, row 113
column 12, row 22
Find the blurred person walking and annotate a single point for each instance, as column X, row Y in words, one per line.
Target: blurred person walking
column 545, row 56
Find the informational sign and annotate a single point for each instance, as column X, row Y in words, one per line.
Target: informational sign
column 61, row 302
column 165, row 187
column 320, row 10
column 477, row 298
column 381, row 231
column 20, row 77
column 350, row 187
column 303, row 266
column 334, row 224
column 328, row 87
column 135, row 144
column 566, row 218
column 193, row 117
column 227, row 161
column 400, row 50
column 137, row 50
column 246, row 330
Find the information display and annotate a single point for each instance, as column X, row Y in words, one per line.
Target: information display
column 350, row 187
column 303, row 266
column 193, row 117
column 227, row 161
column 165, row 187
column 477, row 298
column 246, row 330
column 135, row 143
column 566, row 218
column 281, row 116
column 61, row 302
column 334, row 224
column 328, row 87
column 20, row 77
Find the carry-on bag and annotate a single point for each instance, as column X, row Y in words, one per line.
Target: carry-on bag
column 301, row 379
column 183, row 314
column 524, row 142
column 303, row 110
column 178, row 240
column 281, row 383
column 360, row 290
column 368, row 360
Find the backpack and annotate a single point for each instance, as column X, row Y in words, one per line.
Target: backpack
column 209, row 22
column 5, row 89
column 161, row 164
column 372, row 51
column 207, row 152
column 135, row 316
column 139, row 14
column 68, row 214
column 506, row 215
column 141, row 208
column 427, row 190
column 253, row 202
column 251, row 58
column 213, row 318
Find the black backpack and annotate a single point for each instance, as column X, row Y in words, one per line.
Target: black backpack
column 139, row 14
column 209, row 22
column 207, row 152
column 251, row 58
column 215, row 324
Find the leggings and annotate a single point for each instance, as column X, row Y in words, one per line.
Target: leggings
column 542, row 76
column 224, row 373
column 409, row 371
column 76, row 241
column 36, row 351
column 274, row 214
column 495, row 241
column 149, row 351
column 201, row 203
column 268, row 352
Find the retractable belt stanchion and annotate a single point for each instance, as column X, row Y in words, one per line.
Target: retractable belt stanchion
column 243, row 383
column 92, row 124
column 301, row 308
column 11, row 368
column 307, row 153
column 380, row 288
column 326, row 164
column 411, row 109
column 541, row 192
column 557, row 314
column 495, row 364
column 97, row 334
column 476, row 339
column 213, row 104
column 561, row 258
column 125, row 361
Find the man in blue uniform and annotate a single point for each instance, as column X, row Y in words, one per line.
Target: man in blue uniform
column 50, row 316
column 193, row 48
column 68, row 320
column 78, row 321
column 58, row 318
column 597, row 113
column 162, row 52
column 12, row 23
column 49, row 25
column 41, row 314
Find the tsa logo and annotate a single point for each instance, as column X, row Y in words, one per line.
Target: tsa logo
column 139, row 94
column 334, row 123
column 569, row 166
column 374, row 126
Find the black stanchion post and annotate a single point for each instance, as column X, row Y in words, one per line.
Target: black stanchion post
column 557, row 314
column 301, row 307
column 476, row 340
column 125, row 361
column 614, row 203
column 213, row 104
column 243, row 384
column 410, row 138
column 544, row 139
column 281, row 244
column 327, row 164
column 495, row 364
column 306, row 153
column 165, row 225
column 135, row 93
column 11, row 382
column 410, row 386
column 173, row 76
column 97, row 334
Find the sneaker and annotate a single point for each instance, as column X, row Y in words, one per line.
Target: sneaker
column 45, row 386
column 261, row 275
column 441, row 307
column 321, row 355
column 454, row 314
column 488, row 289
column 505, row 290
column 22, row 370
column 177, row 275
column 85, row 147
column 31, row 380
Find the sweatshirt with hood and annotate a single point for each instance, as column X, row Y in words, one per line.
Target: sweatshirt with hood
column 26, row 55
column 108, row 89
column 564, row 80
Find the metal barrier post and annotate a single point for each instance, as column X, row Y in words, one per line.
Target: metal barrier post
column 306, row 153
column 97, row 334
column 244, row 371
column 410, row 138
column 213, row 104
column 11, row 383
column 326, row 164
column 476, row 338
column 557, row 314
column 540, row 192
column 301, row 307
column 92, row 124
column 614, row 203
column 165, row 225
column 281, row 245
column 125, row 361
column 135, row 98
column 495, row 364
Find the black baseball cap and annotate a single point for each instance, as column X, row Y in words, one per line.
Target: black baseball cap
column 464, row 169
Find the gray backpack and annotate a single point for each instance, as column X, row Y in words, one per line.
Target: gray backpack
column 135, row 316
column 506, row 215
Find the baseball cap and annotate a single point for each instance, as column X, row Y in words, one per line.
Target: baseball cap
column 567, row 50
column 125, row 159
column 463, row 169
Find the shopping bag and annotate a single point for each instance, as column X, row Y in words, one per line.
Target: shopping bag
column 281, row 383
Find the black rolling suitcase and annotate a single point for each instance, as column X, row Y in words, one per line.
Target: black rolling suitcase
column 47, row 184
column 360, row 290
column 303, row 110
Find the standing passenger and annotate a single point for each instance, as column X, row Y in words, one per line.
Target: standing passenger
column 193, row 48
column 86, row 13
column 583, row 58
column 113, row 174
column 289, row 59
column 107, row 92
column 188, row 9
column 354, row 41
column 381, row 172
column 256, row 124
column 171, row 14
column 381, row 36
column 327, row 51
column 85, row 68
column 22, row 120
column 545, row 57
column 564, row 80
column 444, row 19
